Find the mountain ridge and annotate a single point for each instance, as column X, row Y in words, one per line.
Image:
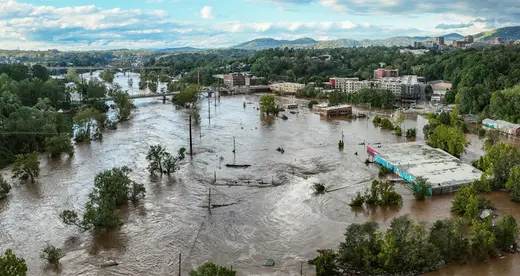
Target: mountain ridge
column 506, row 33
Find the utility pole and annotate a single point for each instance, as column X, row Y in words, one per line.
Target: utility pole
column 234, row 151
column 209, row 200
column 191, row 143
column 179, row 264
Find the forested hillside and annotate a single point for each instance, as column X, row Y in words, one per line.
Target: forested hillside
column 476, row 73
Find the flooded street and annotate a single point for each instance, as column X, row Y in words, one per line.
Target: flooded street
column 286, row 222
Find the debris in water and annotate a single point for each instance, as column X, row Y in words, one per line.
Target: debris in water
column 109, row 264
column 269, row 262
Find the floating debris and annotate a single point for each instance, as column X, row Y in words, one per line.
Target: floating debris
column 280, row 150
column 237, row 166
column 269, row 262
column 109, row 264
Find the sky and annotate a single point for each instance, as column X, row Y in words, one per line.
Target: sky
column 136, row 24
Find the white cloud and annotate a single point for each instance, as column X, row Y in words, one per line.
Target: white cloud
column 206, row 12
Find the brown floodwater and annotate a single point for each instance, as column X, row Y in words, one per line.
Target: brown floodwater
column 286, row 222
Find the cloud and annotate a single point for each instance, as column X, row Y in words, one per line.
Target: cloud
column 206, row 12
column 453, row 26
column 31, row 26
column 501, row 10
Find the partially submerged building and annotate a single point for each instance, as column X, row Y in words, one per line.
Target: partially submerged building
column 333, row 111
column 443, row 171
column 503, row 126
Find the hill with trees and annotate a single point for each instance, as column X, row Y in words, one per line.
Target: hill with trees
column 506, row 33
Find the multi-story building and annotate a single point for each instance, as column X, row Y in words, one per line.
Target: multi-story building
column 439, row 40
column 425, row 44
column 469, row 39
column 460, row 44
column 287, row 87
column 386, row 73
column 341, row 83
column 235, row 79
column 406, row 89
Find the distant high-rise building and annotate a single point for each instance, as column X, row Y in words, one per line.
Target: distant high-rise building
column 439, row 40
column 469, row 39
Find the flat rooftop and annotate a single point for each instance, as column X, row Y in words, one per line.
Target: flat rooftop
column 417, row 159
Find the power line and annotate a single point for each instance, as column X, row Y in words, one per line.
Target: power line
column 29, row 133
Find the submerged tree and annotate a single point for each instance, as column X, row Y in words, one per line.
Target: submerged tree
column 506, row 233
column 112, row 188
column 10, row 265
column 421, row 188
column 326, row 263
column 124, row 105
column 52, row 254
column 513, row 183
column 319, row 188
column 211, row 269
column 268, row 104
column 162, row 161
column 26, row 166
column 411, row 133
column 107, row 75
column 88, row 121
column 5, row 188
column 357, row 201
column 189, row 95
column 59, row 144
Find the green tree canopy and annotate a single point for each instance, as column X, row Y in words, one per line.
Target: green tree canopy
column 59, row 144
column 10, row 265
column 5, row 188
column 26, row 166
column 268, row 104
column 211, row 269
column 449, row 139
column 112, row 188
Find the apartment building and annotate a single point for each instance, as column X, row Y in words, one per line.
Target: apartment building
column 406, row 89
column 386, row 73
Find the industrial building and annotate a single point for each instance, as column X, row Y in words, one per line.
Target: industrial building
column 503, row 126
column 443, row 171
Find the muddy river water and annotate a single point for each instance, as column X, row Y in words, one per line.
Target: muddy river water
column 286, row 222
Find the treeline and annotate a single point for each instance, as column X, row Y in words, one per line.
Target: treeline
column 29, row 102
column 77, row 58
column 35, row 108
column 475, row 73
column 410, row 247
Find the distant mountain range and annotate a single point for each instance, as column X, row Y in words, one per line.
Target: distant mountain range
column 179, row 49
column 506, row 33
